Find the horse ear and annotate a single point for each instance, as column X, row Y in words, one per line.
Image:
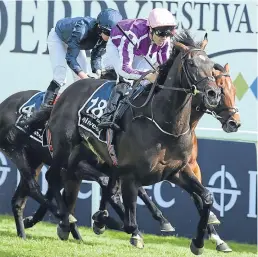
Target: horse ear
column 226, row 67
column 181, row 46
column 218, row 67
column 204, row 42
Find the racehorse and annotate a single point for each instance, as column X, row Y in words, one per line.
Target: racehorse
column 21, row 150
column 230, row 120
column 229, row 117
column 157, row 136
column 29, row 156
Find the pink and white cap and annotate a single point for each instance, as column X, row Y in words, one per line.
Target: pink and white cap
column 161, row 17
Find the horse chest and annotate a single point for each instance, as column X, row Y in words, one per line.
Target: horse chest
column 163, row 159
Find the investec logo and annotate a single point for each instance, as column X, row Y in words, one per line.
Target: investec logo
column 222, row 206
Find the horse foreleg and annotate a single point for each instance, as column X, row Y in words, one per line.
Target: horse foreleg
column 165, row 225
column 221, row 245
column 18, row 204
column 188, row 181
column 30, row 221
column 213, row 220
column 212, row 233
column 27, row 175
column 35, row 193
column 129, row 194
column 110, row 193
column 70, row 194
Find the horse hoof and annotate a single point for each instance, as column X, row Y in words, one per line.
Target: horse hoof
column 223, row 248
column 28, row 222
column 63, row 235
column 97, row 230
column 213, row 220
column 22, row 236
column 100, row 215
column 137, row 241
column 195, row 250
column 166, row 227
column 75, row 232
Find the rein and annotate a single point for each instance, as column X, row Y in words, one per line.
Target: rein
column 193, row 86
column 192, row 90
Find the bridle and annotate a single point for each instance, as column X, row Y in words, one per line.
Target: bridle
column 190, row 80
column 216, row 115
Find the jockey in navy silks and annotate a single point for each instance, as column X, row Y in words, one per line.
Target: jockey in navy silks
column 67, row 43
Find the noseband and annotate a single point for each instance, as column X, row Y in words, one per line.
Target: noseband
column 217, row 116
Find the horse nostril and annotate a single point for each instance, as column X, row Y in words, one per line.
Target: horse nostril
column 211, row 94
column 234, row 124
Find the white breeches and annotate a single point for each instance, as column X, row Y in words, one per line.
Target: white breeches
column 57, row 52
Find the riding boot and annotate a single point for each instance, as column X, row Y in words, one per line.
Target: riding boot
column 39, row 118
column 107, row 119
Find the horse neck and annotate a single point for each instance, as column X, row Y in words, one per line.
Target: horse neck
column 173, row 108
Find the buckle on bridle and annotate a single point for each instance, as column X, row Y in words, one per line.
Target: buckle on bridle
column 194, row 90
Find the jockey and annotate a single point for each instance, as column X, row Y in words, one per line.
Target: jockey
column 151, row 39
column 67, row 43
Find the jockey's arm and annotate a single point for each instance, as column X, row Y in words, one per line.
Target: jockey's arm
column 126, row 56
column 96, row 55
column 163, row 53
column 80, row 31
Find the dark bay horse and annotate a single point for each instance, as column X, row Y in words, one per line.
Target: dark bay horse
column 230, row 120
column 161, row 126
column 225, row 112
column 27, row 156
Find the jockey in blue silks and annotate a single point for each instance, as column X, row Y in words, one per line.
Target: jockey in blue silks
column 67, row 43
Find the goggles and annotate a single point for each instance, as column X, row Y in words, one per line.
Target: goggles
column 105, row 30
column 165, row 31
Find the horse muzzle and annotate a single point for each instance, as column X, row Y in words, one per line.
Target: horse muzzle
column 212, row 96
column 231, row 126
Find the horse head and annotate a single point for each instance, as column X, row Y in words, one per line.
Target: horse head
column 226, row 112
column 198, row 68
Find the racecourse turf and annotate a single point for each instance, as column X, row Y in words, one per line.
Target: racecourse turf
column 42, row 241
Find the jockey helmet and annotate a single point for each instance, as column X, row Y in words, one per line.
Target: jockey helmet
column 161, row 17
column 107, row 19
column 162, row 22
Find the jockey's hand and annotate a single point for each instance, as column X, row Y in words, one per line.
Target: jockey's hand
column 98, row 73
column 83, row 75
column 151, row 77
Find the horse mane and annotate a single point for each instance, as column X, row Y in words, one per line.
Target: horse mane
column 183, row 37
column 186, row 38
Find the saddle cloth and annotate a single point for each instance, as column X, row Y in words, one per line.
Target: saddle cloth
column 27, row 109
column 93, row 109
